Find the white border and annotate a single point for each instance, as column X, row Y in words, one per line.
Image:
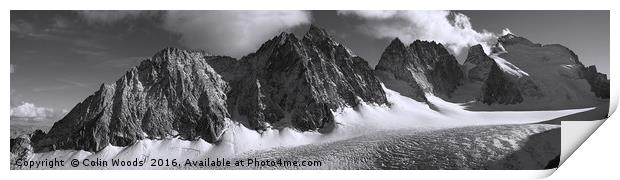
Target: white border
column 596, row 158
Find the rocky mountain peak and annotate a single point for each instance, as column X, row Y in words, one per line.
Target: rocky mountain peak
column 425, row 47
column 296, row 84
column 317, row 34
column 476, row 55
column 175, row 93
column 175, row 54
column 285, row 37
column 394, row 53
column 396, row 44
column 498, row 88
column 279, row 41
column 422, row 67
column 476, row 50
column 418, row 42
column 477, row 65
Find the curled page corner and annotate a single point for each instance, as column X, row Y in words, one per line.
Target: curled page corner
column 615, row 97
column 574, row 133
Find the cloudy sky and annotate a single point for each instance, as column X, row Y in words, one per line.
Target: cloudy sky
column 58, row 58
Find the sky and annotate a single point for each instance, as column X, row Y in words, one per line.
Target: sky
column 58, row 58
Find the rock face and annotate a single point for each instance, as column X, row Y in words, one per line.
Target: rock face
column 497, row 88
column 174, row 93
column 478, row 65
column 497, row 85
column 291, row 82
column 599, row 84
column 422, row 67
column 21, row 148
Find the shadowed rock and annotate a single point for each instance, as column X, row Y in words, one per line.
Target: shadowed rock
column 20, row 148
column 291, row 82
column 478, row 64
column 422, row 67
column 499, row 89
column 599, row 84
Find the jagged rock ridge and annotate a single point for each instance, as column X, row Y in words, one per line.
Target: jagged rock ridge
column 497, row 88
column 422, row 67
column 599, row 83
column 497, row 85
column 477, row 65
column 173, row 93
column 291, row 82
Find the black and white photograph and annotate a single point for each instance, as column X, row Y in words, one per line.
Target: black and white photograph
column 302, row 89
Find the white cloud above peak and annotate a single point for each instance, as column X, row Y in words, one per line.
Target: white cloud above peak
column 234, row 33
column 109, row 16
column 452, row 29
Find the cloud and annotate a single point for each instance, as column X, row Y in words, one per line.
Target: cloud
column 234, row 33
column 109, row 17
column 29, row 112
column 12, row 68
column 453, row 30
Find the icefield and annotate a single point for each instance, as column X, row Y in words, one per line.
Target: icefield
column 403, row 117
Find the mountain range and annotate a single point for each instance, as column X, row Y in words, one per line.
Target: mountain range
column 298, row 83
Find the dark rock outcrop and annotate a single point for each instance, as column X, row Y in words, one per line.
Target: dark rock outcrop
column 497, row 88
column 37, row 135
column 394, row 69
column 174, row 93
column 21, row 148
column 478, row 64
column 599, row 84
column 422, row 67
column 291, row 82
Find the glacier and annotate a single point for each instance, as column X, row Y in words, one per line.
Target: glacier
column 357, row 128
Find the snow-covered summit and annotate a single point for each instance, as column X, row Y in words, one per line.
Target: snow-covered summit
column 550, row 76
